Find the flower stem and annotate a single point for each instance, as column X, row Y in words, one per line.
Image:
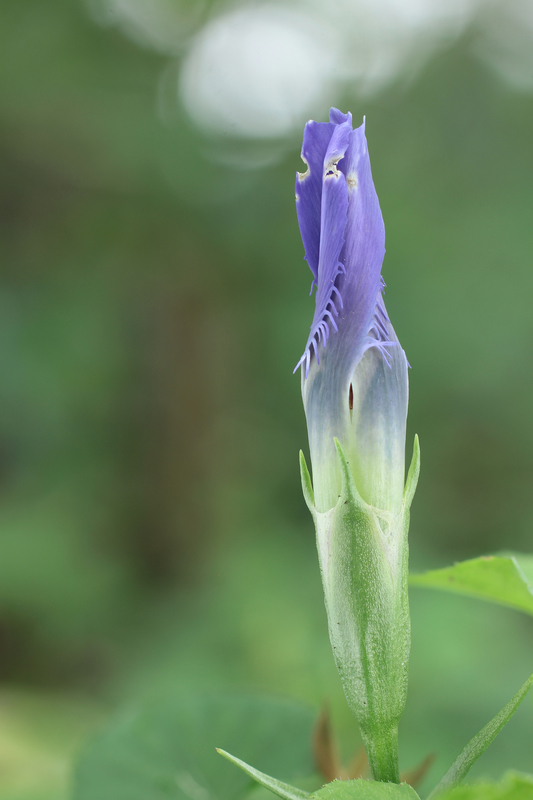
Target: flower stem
column 382, row 752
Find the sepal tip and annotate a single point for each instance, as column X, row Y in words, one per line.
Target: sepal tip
column 413, row 475
column 349, row 488
column 307, row 485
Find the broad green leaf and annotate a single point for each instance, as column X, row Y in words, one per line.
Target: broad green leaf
column 284, row 790
column 514, row 786
column 168, row 750
column 360, row 789
column 479, row 743
column 503, row 579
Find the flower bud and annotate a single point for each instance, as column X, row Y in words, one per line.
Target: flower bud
column 355, row 394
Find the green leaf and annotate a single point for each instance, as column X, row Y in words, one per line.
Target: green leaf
column 284, row 790
column 514, row 786
column 168, row 750
column 360, row 789
column 503, row 579
column 479, row 743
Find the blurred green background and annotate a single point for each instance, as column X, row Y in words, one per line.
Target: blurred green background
column 153, row 303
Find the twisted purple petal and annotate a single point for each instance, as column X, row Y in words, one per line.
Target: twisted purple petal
column 316, row 144
column 342, row 229
column 352, row 353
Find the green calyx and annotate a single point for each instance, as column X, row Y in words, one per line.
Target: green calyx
column 363, row 555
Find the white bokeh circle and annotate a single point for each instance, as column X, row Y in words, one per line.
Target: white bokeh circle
column 258, row 71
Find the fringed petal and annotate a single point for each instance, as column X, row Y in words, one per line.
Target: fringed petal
column 344, row 232
column 354, row 371
column 317, row 136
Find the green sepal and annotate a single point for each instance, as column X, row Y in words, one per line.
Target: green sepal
column 413, row 475
column 349, row 488
column 363, row 556
column 365, row 587
column 307, row 486
column 284, row 790
column 479, row 743
column 360, row 789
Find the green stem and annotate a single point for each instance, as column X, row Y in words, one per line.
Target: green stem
column 382, row 752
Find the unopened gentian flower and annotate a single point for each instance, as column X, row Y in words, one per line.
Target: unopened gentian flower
column 355, row 394
column 354, row 386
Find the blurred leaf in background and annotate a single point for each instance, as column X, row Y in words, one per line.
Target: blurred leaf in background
column 40, row 733
column 505, row 579
column 168, row 749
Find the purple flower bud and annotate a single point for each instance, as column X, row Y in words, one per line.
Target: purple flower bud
column 354, row 371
